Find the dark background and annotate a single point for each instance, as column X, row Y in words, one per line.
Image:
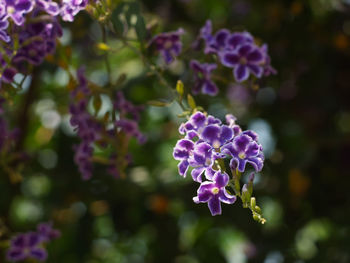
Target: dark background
column 302, row 115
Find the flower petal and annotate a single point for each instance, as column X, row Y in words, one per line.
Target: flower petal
column 38, row 253
column 196, row 174
column 226, row 197
column 214, row 206
column 241, row 73
column 229, row 59
column 256, row 70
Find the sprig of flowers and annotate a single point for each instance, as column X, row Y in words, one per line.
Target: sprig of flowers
column 206, row 145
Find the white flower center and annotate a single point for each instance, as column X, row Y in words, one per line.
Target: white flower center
column 241, row 155
column 11, row 9
column 216, row 144
column 215, row 190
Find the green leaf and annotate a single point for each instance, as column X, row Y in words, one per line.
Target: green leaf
column 118, row 24
column 140, row 28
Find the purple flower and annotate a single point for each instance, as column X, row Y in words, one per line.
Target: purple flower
column 82, row 158
column 168, row 44
column 214, row 192
column 47, row 233
column 247, row 59
column 3, row 29
column 218, row 42
column 231, row 122
column 131, row 129
column 16, row 9
column 24, row 246
column 52, row 8
column 8, row 74
column 216, row 135
column 195, row 125
column 206, row 144
column 87, row 128
column 238, row 39
column 202, row 159
column 71, row 8
column 40, row 40
column 203, row 82
column 182, row 152
column 245, row 149
column 126, row 108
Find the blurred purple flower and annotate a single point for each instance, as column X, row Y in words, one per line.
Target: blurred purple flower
column 47, row 232
column 168, row 44
column 203, row 83
column 247, row 59
column 26, row 246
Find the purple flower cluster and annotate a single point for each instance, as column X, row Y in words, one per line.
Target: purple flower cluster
column 30, row 245
column 207, row 141
column 16, row 10
column 36, row 38
column 168, row 44
column 92, row 131
column 87, row 128
column 129, row 116
column 238, row 51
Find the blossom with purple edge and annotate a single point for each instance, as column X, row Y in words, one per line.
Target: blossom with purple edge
column 247, row 59
column 245, row 149
column 50, row 7
column 182, row 152
column 16, row 9
column 203, row 83
column 168, row 44
column 25, row 246
column 214, row 192
column 71, row 8
column 3, row 29
column 202, row 160
column 195, row 125
column 216, row 135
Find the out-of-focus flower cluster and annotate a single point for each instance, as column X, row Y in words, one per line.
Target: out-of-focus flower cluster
column 207, row 143
column 114, row 133
column 30, row 245
column 28, row 31
column 239, row 51
column 236, row 50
